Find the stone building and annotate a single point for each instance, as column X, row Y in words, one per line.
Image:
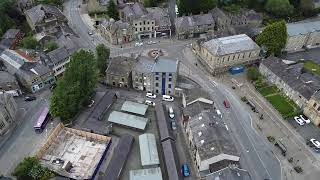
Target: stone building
column 119, row 72
column 312, row 109
column 8, row 110
column 301, row 36
column 117, row 32
column 9, row 84
column 219, row 55
column 11, row 39
column 155, row 75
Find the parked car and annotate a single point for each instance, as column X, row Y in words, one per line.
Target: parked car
column 185, row 170
column 219, row 113
column 167, row 98
column 151, row 95
column 91, row 103
column 151, row 42
column 299, row 120
column 315, row 142
column 30, row 98
column 150, row 103
column 90, row 33
column 306, row 120
column 173, row 125
column 171, row 113
column 138, row 44
column 226, row 103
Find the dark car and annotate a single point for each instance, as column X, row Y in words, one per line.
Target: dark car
column 226, row 103
column 30, row 98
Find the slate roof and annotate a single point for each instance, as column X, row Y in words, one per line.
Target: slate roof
column 230, row 45
column 295, row 29
column 229, row 173
column 163, row 123
column 144, row 64
column 160, row 15
column 103, row 105
column 120, row 65
column 135, row 108
column 196, row 108
column 316, row 96
column 38, row 13
column 191, row 21
column 170, row 160
column 165, row 65
column 11, row 34
column 135, row 10
column 5, row 78
column 304, row 83
column 196, row 93
column 58, row 55
column 114, row 26
column 218, row 13
column 6, row 43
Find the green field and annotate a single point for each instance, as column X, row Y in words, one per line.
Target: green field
column 281, row 104
column 312, row 67
column 265, row 91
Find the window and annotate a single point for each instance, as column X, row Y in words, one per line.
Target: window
column 122, row 79
column 314, row 105
column 144, row 23
column 140, row 23
column 148, row 28
column 157, row 84
column 140, row 29
column 136, row 24
column 157, row 91
column 170, row 79
column 2, row 125
column 144, row 28
column 318, row 109
column 113, row 83
column 170, row 74
column 148, row 22
column 163, row 74
column 169, row 86
column 136, row 80
column 152, row 22
column 157, row 73
column 157, row 78
column 136, row 29
column 141, row 80
column 169, row 92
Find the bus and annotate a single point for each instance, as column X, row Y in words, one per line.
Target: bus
column 42, row 120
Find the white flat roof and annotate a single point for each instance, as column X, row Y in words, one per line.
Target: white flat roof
column 128, row 120
column 148, row 149
column 146, row 174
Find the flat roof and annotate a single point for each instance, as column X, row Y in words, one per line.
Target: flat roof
column 133, row 107
column 79, row 152
column 146, row 174
column 119, row 158
column 148, row 150
column 128, row 120
column 163, row 124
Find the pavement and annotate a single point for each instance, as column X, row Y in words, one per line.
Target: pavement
column 23, row 141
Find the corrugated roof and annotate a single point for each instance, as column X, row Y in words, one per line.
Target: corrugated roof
column 295, row 29
column 148, row 150
column 134, row 107
column 146, row 174
column 128, row 120
column 230, row 44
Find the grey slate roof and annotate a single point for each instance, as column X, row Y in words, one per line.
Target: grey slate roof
column 6, row 43
column 295, row 29
column 218, row 13
column 160, row 15
column 230, row 44
column 196, row 93
column 103, row 105
column 114, row 26
column 135, row 10
column 58, row 55
column 120, row 65
column 5, row 78
column 304, row 83
column 11, row 34
column 211, row 136
column 133, row 107
column 37, row 13
column 171, row 160
column 191, row 21
column 144, row 64
column 316, row 96
column 229, row 173
column 119, row 158
column 165, row 65
column 196, row 108
column 163, row 123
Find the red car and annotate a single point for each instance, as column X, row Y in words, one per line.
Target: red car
column 226, row 103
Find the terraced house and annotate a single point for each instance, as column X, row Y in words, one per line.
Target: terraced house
column 312, row 109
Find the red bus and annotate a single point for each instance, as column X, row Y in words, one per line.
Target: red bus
column 42, row 120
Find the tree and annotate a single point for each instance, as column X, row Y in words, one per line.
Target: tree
column 150, row 3
column 112, row 10
column 253, row 74
column 186, row 7
column 51, row 2
column 6, row 22
column 307, row 7
column 50, row 46
column 29, row 42
column 74, row 90
column 280, row 8
column 273, row 38
column 103, row 54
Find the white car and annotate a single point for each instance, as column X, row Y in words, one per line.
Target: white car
column 150, row 103
column 138, row 44
column 315, row 142
column 91, row 103
column 167, row 98
column 299, row 120
column 151, row 42
column 171, row 113
column 307, row 121
column 151, row 95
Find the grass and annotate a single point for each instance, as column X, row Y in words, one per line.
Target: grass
column 265, row 91
column 312, row 67
column 281, row 104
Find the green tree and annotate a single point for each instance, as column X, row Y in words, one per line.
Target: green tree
column 280, row 8
column 295, row 3
column 6, row 22
column 29, row 42
column 103, row 54
column 50, row 46
column 74, row 90
column 186, row 7
column 150, row 3
column 253, row 74
column 112, row 10
column 307, row 7
column 51, row 2
column 273, row 38
column 24, row 167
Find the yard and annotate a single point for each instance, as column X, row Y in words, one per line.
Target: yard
column 268, row 90
column 312, row 67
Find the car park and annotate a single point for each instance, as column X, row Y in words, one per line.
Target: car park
column 151, row 95
column 150, row 103
column 226, row 103
column 306, row 120
column 173, row 125
column 30, row 98
column 185, row 170
column 299, row 120
column 171, row 113
column 167, row 98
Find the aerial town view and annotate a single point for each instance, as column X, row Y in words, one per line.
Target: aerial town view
column 160, row 89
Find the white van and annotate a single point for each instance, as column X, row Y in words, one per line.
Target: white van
column 167, row 98
column 219, row 113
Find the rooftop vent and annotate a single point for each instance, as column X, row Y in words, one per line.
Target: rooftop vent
column 202, row 125
column 238, row 174
column 199, row 133
column 200, row 117
column 202, row 141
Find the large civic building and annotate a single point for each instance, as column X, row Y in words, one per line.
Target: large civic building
column 220, row 54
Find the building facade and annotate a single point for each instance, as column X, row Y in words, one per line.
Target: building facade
column 219, row 55
column 8, row 110
column 312, row 109
column 301, row 36
column 116, row 32
column 9, row 84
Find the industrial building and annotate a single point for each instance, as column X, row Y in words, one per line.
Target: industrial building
column 148, row 150
column 146, row 174
column 128, row 120
column 135, row 108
